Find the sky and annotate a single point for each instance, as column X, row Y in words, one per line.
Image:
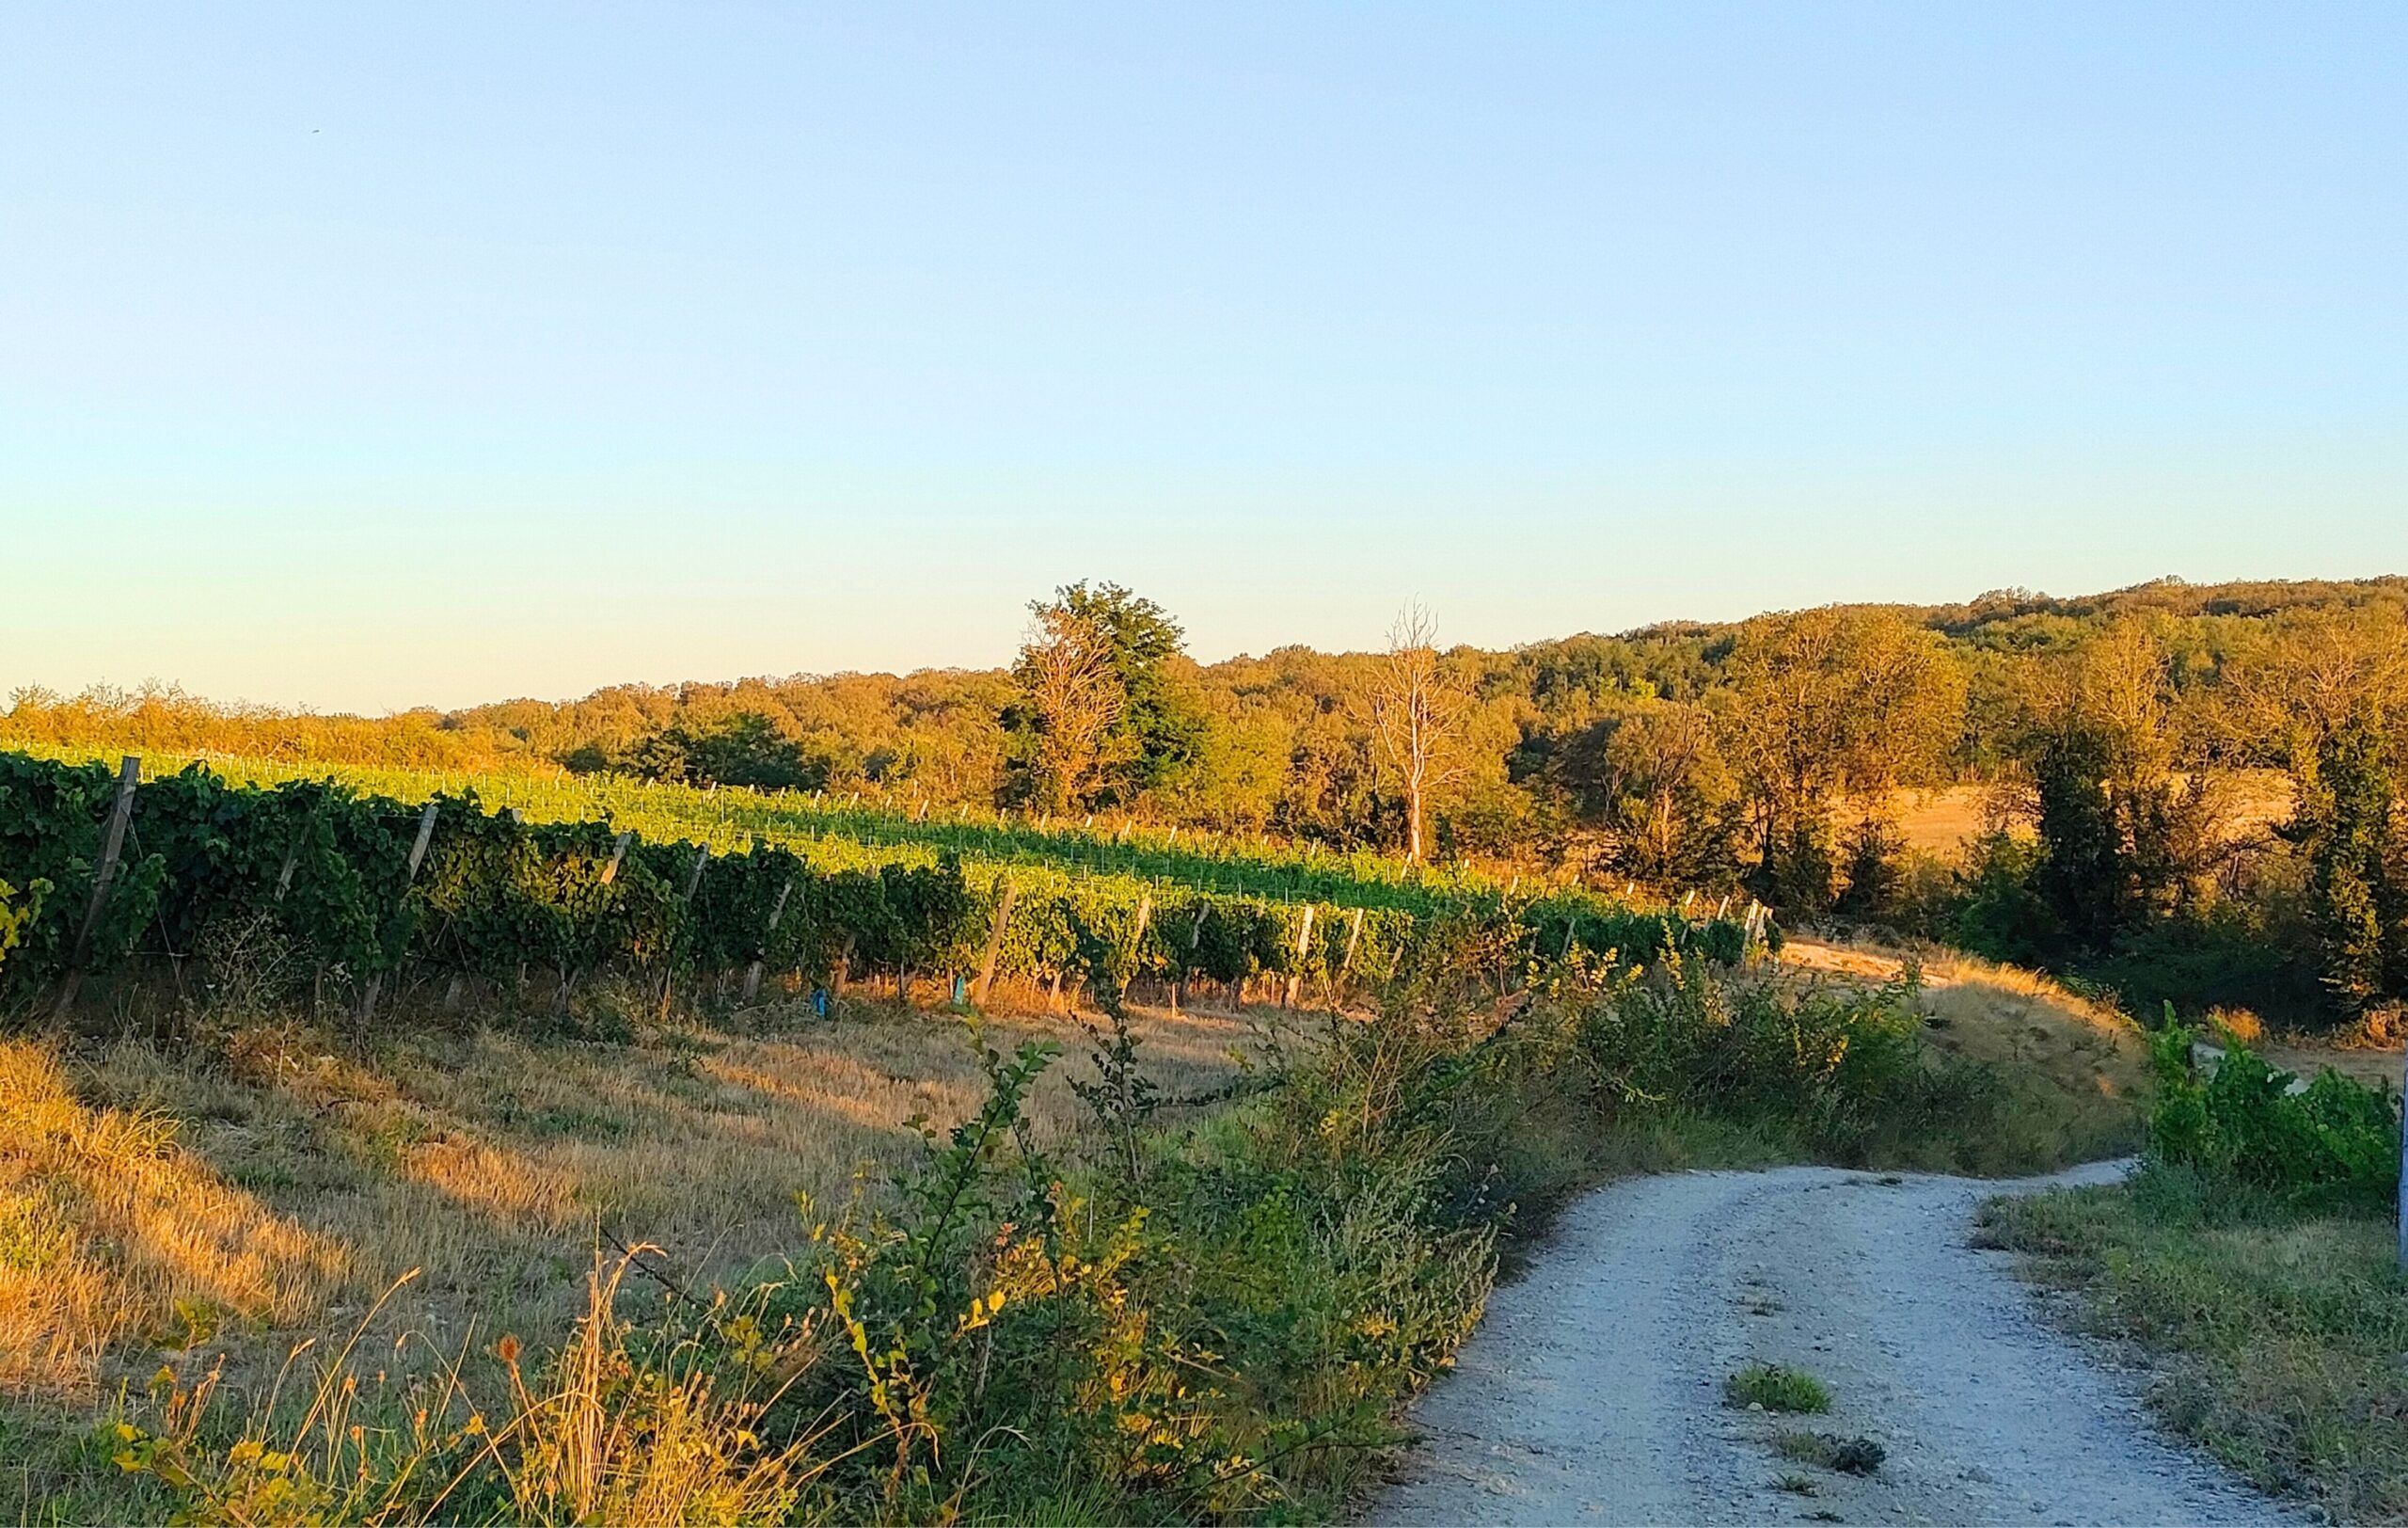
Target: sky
column 359, row 357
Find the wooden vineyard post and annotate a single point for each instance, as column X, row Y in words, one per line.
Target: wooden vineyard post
column 1187, row 960
column 777, row 910
column 844, row 966
column 618, row 857
column 1137, row 940
column 685, row 909
column 128, row 774
column 293, row 853
column 1303, row 938
column 417, row 857
column 1346, row 962
column 995, row 946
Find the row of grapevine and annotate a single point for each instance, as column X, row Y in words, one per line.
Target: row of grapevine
column 354, row 888
column 886, row 829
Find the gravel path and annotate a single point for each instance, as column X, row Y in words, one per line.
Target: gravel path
column 1592, row 1393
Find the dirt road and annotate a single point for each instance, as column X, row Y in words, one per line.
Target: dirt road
column 1593, row 1393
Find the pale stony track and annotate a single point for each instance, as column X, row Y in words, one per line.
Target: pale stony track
column 1592, row 1393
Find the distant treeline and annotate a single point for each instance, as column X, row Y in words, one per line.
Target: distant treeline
column 1678, row 755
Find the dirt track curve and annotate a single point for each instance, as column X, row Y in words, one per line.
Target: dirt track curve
column 1592, row 1393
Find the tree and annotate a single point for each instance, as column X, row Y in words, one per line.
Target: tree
column 2302, row 679
column 1070, row 698
column 1161, row 721
column 1669, row 802
column 2122, row 840
column 745, row 749
column 1417, row 712
column 1826, row 703
column 2347, row 826
column 1107, row 705
column 2083, row 871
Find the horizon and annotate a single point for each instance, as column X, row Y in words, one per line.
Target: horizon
column 369, row 360
column 170, row 687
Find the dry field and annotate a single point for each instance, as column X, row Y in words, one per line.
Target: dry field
column 243, row 1195
column 1943, row 822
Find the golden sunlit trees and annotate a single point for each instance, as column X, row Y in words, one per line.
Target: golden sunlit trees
column 1669, row 800
column 1821, row 703
column 2327, row 697
column 1072, row 696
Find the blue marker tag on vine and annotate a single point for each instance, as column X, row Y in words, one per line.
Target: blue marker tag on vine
column 819, row 1001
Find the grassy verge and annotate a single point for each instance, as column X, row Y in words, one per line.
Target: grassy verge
column 209, row 1206
column 1074, row 1302
column 2279, row 1330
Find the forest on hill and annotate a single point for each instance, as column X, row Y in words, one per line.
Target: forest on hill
column 1766, row 753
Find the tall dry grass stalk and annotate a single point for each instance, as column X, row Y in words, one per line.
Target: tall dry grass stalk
column 607, row 1438
column 614, row 1431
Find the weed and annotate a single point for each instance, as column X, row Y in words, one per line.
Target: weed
column 1775, row 1387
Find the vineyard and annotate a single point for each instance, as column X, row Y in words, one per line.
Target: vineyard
column 347, row 894
column 876, row 827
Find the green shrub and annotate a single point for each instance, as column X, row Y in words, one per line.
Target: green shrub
column 1777, row 1387
column 1842, row 1072
column 2224, row 956
column 1999, row 913
column 2334, row 1144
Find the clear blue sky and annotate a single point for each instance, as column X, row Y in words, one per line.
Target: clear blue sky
column 364, row 355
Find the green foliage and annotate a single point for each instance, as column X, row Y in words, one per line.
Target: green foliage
column 2082, row 872
column 321, row 873
column 2225, row 955
column 1164, row 1329
column 744, row 750
column 17, row 910
column 1099, row 718
column 2256, row 952
column 2335, row 1143
column 1843, row 1071
column 2357, row 857
column 1998, row 910
column 1777, row 1387
column 1875, row 871
column 1797, row 870
column 1160, row 729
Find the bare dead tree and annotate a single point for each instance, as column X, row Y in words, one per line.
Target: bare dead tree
column 1417, row 712
column 1066, row 672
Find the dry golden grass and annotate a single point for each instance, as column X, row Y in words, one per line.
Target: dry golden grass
column 2361, row 1063
column 112, row 1231
column 274, row 1185
column 2086, row 1059
column 1942, row 820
